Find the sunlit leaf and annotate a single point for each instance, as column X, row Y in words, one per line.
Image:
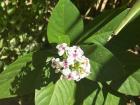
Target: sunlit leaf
column 65, row 23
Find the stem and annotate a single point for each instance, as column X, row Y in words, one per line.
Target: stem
column 133, row 11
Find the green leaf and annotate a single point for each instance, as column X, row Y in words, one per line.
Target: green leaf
column 101, row 97
column 134, row 11
column 131, row 86
column 103, row 34
column 65, row 92
column 60, row 93
column 127, row 39
column 104, row 65
column 1, row 43
column 94, row 94
column 33, row 75
column 65, row 23
column 7, row 76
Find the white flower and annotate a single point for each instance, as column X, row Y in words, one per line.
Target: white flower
column 61, row 48
column 85, row 64
column 75, row 75
column 66, row 72
column 75, row 52
column 56, row 64
column 70, row 60
column 73, row 64
column 83, row 75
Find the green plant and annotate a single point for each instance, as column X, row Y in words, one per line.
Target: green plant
column 115, row 71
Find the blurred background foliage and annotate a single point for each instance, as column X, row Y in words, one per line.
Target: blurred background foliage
column 23, row 23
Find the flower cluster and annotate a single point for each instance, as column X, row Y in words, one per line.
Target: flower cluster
column 71, row 62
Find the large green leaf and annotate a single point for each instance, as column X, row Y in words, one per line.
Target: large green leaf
column 59, row 93
column 104, row 65
column 105, row 31
column 7, row 76
column 65, row 92
column 127, row 39
column 65, row 23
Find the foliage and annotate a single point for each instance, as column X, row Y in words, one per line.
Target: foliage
column 111, row 42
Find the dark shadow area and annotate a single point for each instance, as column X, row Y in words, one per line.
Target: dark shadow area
column 110, row 71
column 83, row 89
column 9, row 101
column 34, row 75
column 122, row 47
column 104, row 66
column 1, row 66
column 95, row 94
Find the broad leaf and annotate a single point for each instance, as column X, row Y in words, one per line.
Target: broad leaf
column 101, row 97
column 130, row 84
column 7, row 76
column 65, row 92
column 60, row 93
column 120, row 45
column 65, row 23
column 104, row 65
column 94, row 94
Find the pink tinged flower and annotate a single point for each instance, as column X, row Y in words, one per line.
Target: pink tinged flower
column 74, row 65
column 70, row 75
column 65, row 64
column 70, row 60
column 75, row 75
column 75, row 52
column 62, row 48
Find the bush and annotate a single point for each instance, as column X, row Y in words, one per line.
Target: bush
column 108, row 33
